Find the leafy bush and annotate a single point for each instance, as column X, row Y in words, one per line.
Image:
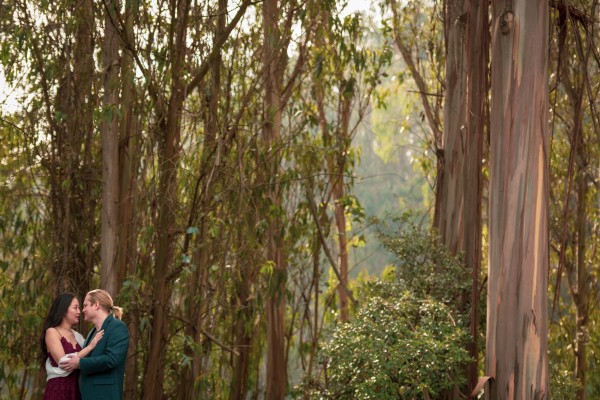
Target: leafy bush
column 425, row 267
column 397, row 347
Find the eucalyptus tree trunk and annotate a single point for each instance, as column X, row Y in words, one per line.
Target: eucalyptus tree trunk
column 244, row 331
column 477, row 48
column 275, row 304
column 169, row 154
column 458, row 210
column 109, row 279
column 516, row 356
column 129, row 154
column 343, row 143
column 578, row 275
column 578, row 272
column 452, row 183
column 203, row 198
column 129, row 158
column 580, row 289
column 72, row 179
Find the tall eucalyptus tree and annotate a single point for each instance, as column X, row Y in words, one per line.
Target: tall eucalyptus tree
column 458, row 143
column 516, row 350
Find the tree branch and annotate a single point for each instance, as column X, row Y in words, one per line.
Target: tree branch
column 313, row 210
column 432, row 119
column 202, row 71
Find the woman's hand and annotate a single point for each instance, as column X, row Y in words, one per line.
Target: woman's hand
column 96, row 339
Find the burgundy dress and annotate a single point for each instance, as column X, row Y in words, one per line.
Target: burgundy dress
column 63, row 388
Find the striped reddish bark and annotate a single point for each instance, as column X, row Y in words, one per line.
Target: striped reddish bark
column 518, row 208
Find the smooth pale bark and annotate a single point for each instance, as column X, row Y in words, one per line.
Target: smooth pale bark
column 516, row 355
column 275, row 304
column 451, row 182
column 110, row 152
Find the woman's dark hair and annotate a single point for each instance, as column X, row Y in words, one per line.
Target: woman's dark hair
column 57, row 311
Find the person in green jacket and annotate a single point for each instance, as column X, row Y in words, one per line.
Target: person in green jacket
column 102, row 371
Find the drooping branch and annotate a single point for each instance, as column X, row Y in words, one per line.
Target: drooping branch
column 432, row 118
column 216, row 50
column 313, row 211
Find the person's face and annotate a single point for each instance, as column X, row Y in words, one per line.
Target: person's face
column 89, row 309
column 72, row 315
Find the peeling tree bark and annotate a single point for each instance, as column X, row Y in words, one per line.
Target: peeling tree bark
column 518, row 249
column 458, row 208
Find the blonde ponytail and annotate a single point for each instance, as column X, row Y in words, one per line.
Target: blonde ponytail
column 117, row 312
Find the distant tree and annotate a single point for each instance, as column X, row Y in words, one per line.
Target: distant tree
column 271, row 135
column 458, row 144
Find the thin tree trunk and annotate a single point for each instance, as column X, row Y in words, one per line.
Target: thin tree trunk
column 204, row 197
column 581, row 298
column 129, row 159
column 243, row 325
column 451, row 208
column 315, row 322
column 579, row 274
column 129, row 154
column 517, row 335
column 339, row 167
column 275, row 304
column 579, row 288
column 109, row 279
column 170, row 131
column 477, row 94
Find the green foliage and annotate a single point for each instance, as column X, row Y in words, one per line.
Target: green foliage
column 423, row 265
column 397, row 347
column 563, row 384
column 407, row 339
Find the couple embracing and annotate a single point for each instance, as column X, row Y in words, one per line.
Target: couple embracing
column 84, row 369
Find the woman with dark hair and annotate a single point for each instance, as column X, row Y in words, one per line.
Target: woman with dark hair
column 102, row 371
column 59, row 341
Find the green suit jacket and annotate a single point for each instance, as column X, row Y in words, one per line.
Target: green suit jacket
column 103, row 370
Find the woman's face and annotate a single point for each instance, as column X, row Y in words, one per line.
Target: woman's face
column 72, row 315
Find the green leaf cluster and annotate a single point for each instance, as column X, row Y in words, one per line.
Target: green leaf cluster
column 424, row 265
column 398, row 347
